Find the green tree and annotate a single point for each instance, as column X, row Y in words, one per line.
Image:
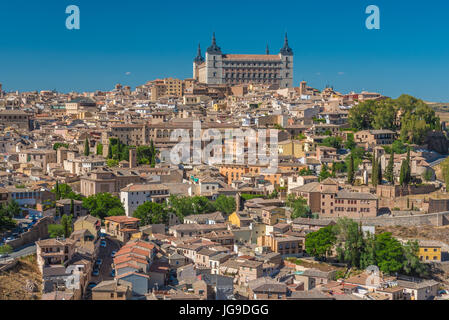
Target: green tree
column 428, row 175
column 379, row 172
column 86, row 147
column 102, row 205
column 333, row 142
column 55, row 230
column 338, row 167
column 64, row 191
column 112, row 163
column 99, row 149
column 350, row 142
column 72, row 207
column 445, row 171
column 299, row 207
column 109, row 151
column 405, row 176
column 6, row 248
column 56, row 191
column 224, row 204
column 412, row 265
column 58, row 145
column 305, row 172
column 389, row 170
column 350, row 242
column 375, row 171
column 389, row 253
column 324, row 173
column 361, row 116
column 6, row 218
column 384, row 115
column 66, row 223
column 351, row 169
column 246, row 196
column 320, row 243
column 183, row 206
column 368, row 254
column 13, row 209
column 151, row 213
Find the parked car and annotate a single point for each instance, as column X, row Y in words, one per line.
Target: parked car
column 4, row 255
column 91, row 285
column 113, row 273
column 103, row 244
column 113, row 253
column 96, row 272
column 99, row 262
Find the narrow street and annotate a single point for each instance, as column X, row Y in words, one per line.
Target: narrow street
column 106, row 266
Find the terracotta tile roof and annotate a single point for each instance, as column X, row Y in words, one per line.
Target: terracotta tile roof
column 258, row 57
column 139, row 243
column 135, row 273
column 127, row 258
column 121, row 219
column 127, row 265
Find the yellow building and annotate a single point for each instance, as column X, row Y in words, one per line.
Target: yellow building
column 90, row 223
column 240, row 219
column 293, row 148
column 429, row 251
column 234, row 219
column 219, row 107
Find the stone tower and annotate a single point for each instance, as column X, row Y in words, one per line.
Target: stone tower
column 286, row 55
column 196, row 62
column 214, row 63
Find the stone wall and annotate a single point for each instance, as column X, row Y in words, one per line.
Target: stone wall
column 434, row 219
column 38, row 231
column 400, row 191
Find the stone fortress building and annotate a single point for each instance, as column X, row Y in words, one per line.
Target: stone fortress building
column 234, row 69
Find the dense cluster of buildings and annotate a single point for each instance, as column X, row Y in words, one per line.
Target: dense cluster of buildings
column 241, row 255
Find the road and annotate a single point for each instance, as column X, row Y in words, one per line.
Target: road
column 22, row 252
column 106, row 266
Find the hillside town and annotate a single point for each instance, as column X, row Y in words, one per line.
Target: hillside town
column 97, row 194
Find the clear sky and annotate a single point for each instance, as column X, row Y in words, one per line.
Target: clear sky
column 133, row 41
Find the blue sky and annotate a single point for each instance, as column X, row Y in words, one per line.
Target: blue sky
column 151, row 39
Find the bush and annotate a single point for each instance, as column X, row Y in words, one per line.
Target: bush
column 6, row 248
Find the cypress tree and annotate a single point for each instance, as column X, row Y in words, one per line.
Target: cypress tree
column 389, row 172
column 72, row 207
column 109, row 151
column 58, row 193
column 405, row 175
column 408, row 175
column 374, row 172
column 86, row 147
column 379, row 172
column 351, row 169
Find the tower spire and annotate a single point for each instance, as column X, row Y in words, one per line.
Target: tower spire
column 214, row 49
column 267, row 50
column 199, row 58
column 286, row 50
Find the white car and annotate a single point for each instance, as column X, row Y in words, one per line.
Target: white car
column 4, row 255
